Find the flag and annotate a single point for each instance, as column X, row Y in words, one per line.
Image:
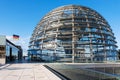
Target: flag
column 16, row 37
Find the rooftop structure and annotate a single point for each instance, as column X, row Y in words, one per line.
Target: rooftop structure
column 73, row 33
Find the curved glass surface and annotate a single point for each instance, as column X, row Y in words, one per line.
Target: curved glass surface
column 73, row 33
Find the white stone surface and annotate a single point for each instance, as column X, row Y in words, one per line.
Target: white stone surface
column 26, row 71
column 2, row 61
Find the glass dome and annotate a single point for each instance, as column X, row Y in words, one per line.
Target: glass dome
column 73, row 33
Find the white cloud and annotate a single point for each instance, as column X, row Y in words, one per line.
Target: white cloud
column 23, row 42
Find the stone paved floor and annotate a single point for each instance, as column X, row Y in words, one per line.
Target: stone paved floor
column 26, row 71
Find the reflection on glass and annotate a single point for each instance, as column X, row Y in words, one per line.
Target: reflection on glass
column 73, row 34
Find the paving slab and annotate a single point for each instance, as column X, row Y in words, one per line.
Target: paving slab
column 26, row 71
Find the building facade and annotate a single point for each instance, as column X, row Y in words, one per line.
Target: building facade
column 73, row 33
column 9, row 52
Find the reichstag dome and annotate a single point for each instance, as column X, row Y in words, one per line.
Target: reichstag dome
column 73, row 33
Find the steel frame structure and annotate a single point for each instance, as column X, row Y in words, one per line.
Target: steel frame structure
column 73, row 33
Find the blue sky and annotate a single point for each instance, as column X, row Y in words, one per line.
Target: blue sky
column 21, row 16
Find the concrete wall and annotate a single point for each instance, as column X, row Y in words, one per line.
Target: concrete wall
column 2, row 49
column 2, row 60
